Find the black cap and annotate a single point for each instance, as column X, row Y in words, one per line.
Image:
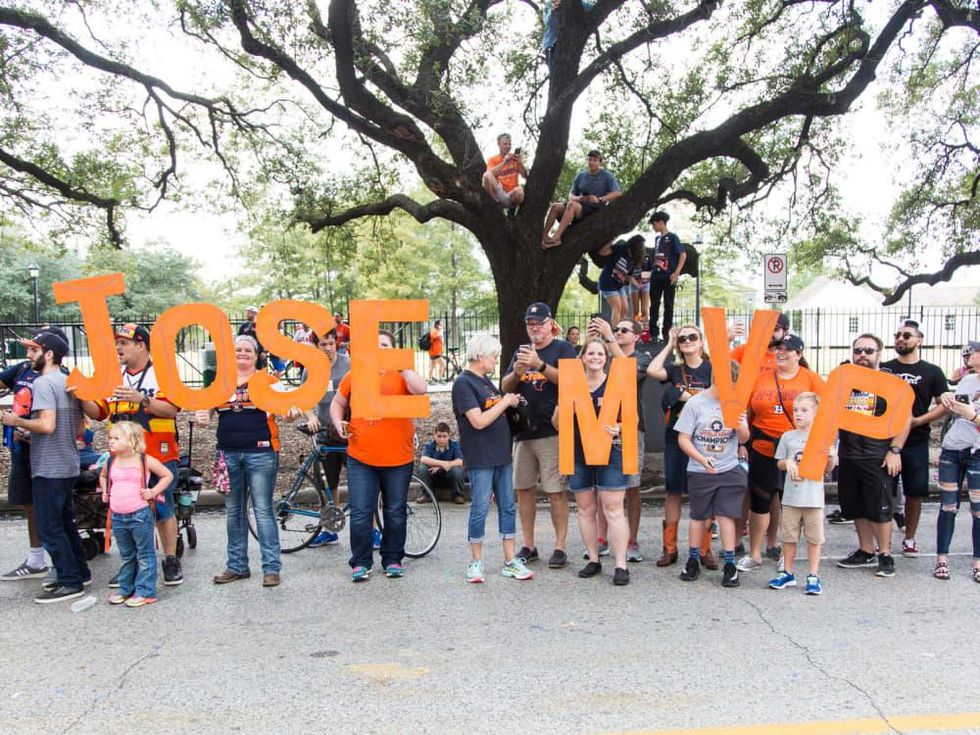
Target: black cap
column 538, row 310
column 792, row 342
column 48, row 340
column 55, row 330
column 594, row 153
column 659, row 216
column 135, row 332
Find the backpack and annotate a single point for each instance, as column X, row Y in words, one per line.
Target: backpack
column 425, row 341
column 691, row 264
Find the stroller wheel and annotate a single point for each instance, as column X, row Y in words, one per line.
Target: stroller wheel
column 91, row 547
column 180, row 546
column 192, row 537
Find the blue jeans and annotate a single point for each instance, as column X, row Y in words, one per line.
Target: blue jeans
column 364, row 483
column 255, row 471
column 55, row 518
column 955, row 465
column 134, row 537
column 483, row 482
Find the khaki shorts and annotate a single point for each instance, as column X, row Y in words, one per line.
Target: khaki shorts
column 811, row 520
column 537, row 458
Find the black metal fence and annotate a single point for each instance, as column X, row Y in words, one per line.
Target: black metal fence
column 827, row 333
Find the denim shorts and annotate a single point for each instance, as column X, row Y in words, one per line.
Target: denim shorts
column 623, row 292
column 599, row 477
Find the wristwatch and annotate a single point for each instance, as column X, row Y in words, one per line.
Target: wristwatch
column 895, row 449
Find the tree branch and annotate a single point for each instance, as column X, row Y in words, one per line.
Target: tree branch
column 422, row 213
column 894, row 295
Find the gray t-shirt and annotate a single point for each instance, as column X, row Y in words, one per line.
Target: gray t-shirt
column 805, row 493
column 341, row 367
column 701, row 418
column 963, row 434
column 55, row 455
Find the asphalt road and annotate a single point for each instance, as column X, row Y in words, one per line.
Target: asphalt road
column 432, row 654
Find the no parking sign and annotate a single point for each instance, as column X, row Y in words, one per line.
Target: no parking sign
column 774, row 277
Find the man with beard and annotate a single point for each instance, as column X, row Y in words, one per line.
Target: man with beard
column 56, row 417
column 929, row 383
column 866, row 469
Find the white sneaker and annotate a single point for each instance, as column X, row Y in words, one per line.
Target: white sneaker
column 747, row 564
column 474, row 572
column 515, row 568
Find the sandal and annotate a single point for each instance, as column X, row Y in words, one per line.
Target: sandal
column 976, row 574
column 941, row 571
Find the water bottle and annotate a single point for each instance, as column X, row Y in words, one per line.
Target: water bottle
column 744, row 464
column 83, row 604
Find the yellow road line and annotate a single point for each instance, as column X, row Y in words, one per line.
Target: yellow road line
column 934, row 723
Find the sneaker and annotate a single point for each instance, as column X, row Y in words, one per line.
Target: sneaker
column 899, row 520
column 692, row 570
column 50, row 581
column 324, row 538
column 774, row 553
column 137, row 601
column 394, row 571
column 525, row 554
column 858, row 559
column 747, row 564
column 474, row 572
column 836, row 519
column 58, row 594
column 909, row 548
column 558, row 559
column 729, row 576
column 603, row 549
column 590, row 570
column 24, row 571
column 633, row 552
column 516, row 570
column 621, row 577
column 172, row 575
column 359, row 574
column 117, row 599
column 375, row 538
column 886, row 566
column 114, row 581
column 813, row 586
column 782, row 580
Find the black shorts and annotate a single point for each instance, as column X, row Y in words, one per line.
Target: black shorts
column 19, row 484
column 675, row 465
column 915, row 472
column 716, row 495
column 765, row 481
column 589, row 208
column 864, row 490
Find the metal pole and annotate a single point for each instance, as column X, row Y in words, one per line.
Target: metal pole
column 34, row 272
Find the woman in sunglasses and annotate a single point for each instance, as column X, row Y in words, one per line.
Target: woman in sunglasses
column 688, row 374
column 771, row 410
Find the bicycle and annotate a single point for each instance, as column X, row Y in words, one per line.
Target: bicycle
column 453, row 368
column 308, row 506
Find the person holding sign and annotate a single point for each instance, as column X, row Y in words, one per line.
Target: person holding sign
column 608, row 481
column 866, row 469
column 960, row 458
column 716, row 481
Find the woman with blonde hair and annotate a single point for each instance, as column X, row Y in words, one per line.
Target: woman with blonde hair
column 686, row 375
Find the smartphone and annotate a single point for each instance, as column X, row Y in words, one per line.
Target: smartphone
column 596, row 315
column 963, row 398
column 518, row 151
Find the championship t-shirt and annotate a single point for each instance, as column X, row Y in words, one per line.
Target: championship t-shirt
column 509, row 175
column 963, row 433
column 702, row 420
column 617, row 268
column 539, row 392
column 161, row 433
column 487, row 447
column 771, row 404
column 381, row 442
column 855, row 446
column 804, row 493
column 927, row 382
column 55, row 455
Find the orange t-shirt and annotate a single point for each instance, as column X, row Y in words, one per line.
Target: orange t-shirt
column 509, row 175
column 768, row 359
column 436, row 343
column 769, row 415
column 384, row 442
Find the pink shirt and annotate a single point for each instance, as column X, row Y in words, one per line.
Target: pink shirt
column 125, row 492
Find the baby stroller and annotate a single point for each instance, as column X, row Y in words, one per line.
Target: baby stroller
column 91, row 513
column 186, row 492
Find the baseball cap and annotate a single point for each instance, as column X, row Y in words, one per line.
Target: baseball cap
column 135, row 332
column 252, row 308
column 55, row 330
column 792, row 342
column 594, row 153
column 538, row 310
column 974, row 346
column 48, row 340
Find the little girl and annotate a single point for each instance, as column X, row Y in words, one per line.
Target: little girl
column 124, row 481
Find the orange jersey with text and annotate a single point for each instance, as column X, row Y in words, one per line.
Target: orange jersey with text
column 161, row 433
column 509, row 175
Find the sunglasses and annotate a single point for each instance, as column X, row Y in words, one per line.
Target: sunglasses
column 623, row 330
column 905, row 335
column 864, row 350
column 682, row 338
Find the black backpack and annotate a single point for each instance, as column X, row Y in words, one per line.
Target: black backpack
column 691, row 264
column 425, row 341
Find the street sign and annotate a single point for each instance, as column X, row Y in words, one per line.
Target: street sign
column 774, row 272
column 775, row 297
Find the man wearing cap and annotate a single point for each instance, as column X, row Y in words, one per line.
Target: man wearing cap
column 533, row 373
column 19, row 379
column 139, row 398
column 668, row 262
column 592, row 190
column 929, row 383
column 56, row 417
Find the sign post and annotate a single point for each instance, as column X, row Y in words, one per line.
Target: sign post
column 774, row 278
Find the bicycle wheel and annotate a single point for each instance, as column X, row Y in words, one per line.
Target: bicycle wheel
column 293, row 374
column 297, row 511
column 424, row 519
